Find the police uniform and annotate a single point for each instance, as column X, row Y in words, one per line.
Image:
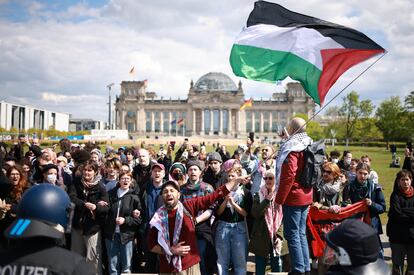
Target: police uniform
column 42, row 217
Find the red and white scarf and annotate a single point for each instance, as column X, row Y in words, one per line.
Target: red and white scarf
column 273, row 216
column 160, row 222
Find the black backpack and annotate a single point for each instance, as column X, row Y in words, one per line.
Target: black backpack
column 313, row 157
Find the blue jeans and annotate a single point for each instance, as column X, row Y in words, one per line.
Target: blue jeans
column 231, row 245
column 119, row 255
column 294, row 222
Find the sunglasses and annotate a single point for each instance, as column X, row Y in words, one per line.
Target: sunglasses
column 327, row 171
column 265, row 150
column 268, row 178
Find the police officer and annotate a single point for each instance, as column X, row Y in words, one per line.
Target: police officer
column 352, row 249
column 42, row 217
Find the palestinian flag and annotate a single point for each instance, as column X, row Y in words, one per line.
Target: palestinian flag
column 278, row 43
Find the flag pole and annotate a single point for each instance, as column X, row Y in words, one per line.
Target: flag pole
column 340, row 92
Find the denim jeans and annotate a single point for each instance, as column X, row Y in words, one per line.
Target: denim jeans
column 231, row 245
column 261, row 262
column 294, row 222
column 119, row 255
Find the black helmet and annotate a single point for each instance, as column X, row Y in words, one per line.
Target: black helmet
column 43, row 211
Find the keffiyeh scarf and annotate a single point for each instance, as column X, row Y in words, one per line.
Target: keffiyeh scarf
column 273, row 217
column 295, row 143
column 160, row 222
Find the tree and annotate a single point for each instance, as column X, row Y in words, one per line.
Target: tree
column 351, row 110
column 392, row 120
column 409, row 102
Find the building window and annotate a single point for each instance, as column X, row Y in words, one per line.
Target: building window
column 157, row 122
column 266, row 121
column 249, row 127
column 148, row 122
column 207, row 119
column 166, row 122
column 182, row 122
column 131, row 127
column 216, row 121
column 274, row 122
column 225, row 120
column 174, row 123
column 257, row 121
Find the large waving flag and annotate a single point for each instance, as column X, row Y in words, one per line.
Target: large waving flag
column 278, row 43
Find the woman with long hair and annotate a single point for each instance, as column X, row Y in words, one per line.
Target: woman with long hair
column 400, row 226
column 17, row 185
column 91, row 206
column 231, row 238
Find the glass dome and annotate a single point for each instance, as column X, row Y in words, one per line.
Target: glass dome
column 215, row 82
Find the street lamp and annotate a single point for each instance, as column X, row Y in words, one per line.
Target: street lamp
column 109, row 113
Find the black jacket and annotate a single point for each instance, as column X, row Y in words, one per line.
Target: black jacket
column 83, row 218
column 129, row 202
column 216, row 180
column 400, row 226
column 42, row 256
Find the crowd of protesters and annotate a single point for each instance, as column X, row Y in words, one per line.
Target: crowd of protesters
column 188, row 211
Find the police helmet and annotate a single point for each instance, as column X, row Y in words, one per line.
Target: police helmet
column 43, row 211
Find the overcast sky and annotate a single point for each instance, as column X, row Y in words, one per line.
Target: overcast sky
column 61, row 54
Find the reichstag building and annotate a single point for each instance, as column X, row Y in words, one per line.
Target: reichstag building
column 213, row 107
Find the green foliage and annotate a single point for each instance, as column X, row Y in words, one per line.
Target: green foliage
column 392, row 119
column 353, row 109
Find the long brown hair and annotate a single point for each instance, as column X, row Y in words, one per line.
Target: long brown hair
column 16, row 191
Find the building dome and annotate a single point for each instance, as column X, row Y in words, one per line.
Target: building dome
column 215, row 82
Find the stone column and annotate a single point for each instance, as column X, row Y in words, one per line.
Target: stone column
column 261, row 122
column 229, row 122
column 221, row 121
column 211, row 122
column 270, row 121
column 161, row 123
column 123, row 119
column 202, row 131
column 137, row 118
column 194, row 123
column 152, row 121
column 169, row 123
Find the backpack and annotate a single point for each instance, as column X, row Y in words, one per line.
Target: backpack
column 313, row 157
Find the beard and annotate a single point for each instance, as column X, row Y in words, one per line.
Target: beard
column 171, row 204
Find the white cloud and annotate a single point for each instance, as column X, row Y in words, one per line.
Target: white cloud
column 74, row 53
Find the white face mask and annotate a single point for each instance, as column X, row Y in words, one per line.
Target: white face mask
column 335, row 161
column 347, row 161
column 51, row 178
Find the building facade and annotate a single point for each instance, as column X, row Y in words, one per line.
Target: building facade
column 213, row 107
column 24, row 117
column 83, row 124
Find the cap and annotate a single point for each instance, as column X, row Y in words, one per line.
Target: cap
column 242, row 147
column 215, row 156
column 170, row 183
column 178, row 165
column 197, row 163
column 156, row 164
column 358, row 239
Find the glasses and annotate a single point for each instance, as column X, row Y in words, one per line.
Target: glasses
column 265, row 150
column 124, row 179
column 268, row 178
column 327, row 171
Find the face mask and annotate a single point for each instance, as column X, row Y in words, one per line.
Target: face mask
column 335, row 161
column 51, row 178
column 347, row 161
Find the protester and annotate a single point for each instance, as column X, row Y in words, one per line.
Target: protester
column 85, row 192
column 345, row 162
column 334, row 156
column 372, row 174
column 231, row 236
column 214, row 175
column 363, row 188
column 268, row 158
column 178, row 173
column 142, row 171
column 267, row 234
column 352, row 249
column 195, row 188
column 172, row 233
column 111, row 173
column 41, row 221
column 292, row 196
column 121, row 224
column 400, row 226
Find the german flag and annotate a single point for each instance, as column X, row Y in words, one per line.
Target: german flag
column 247, row 103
